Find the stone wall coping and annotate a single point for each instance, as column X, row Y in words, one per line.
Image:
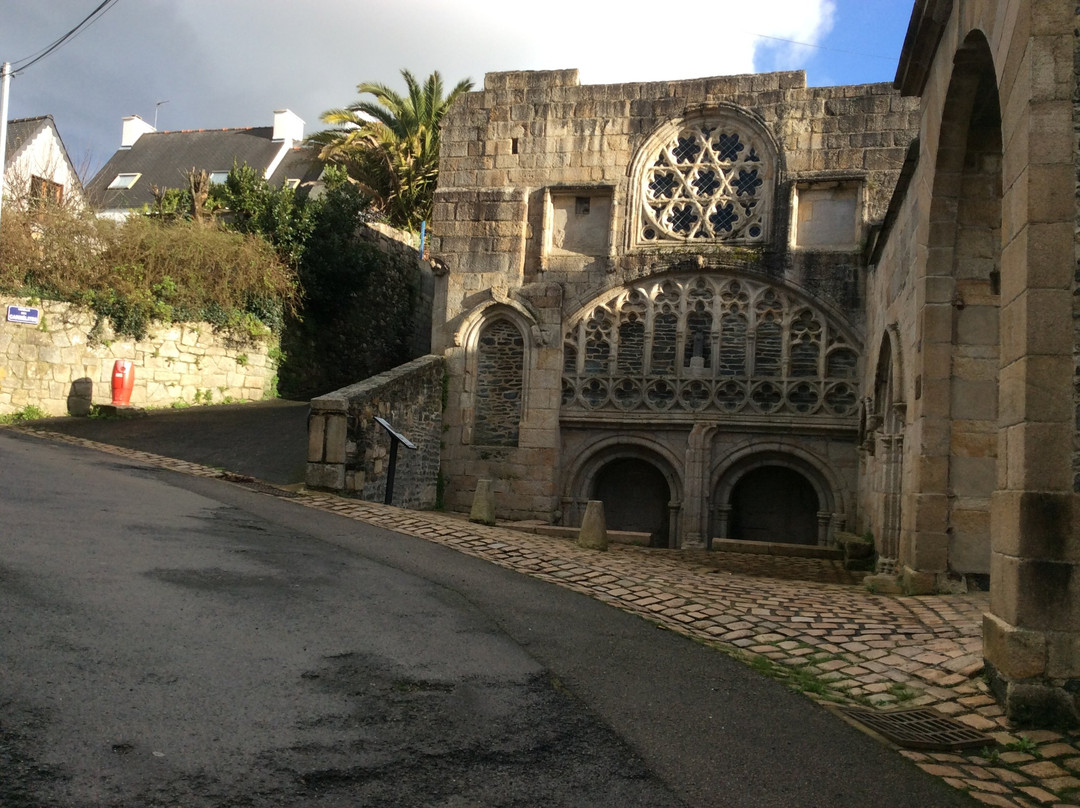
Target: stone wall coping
column 339, row 400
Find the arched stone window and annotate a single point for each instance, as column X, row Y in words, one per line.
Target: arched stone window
column 500, row 361
column 707, row 342
column 706, row 178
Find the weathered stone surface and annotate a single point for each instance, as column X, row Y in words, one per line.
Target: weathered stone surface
column 483, row 509
column 410, row 399
column 593, row 533
column 39, row 367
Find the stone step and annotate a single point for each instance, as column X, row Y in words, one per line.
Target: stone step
column 777, row 548
column 558, row 531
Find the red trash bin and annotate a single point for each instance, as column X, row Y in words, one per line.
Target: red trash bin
column 123, row 380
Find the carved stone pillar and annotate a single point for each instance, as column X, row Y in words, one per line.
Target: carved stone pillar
column 694, row 480
column 721, row 521
column 824, row 518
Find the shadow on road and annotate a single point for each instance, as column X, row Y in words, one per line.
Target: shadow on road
column 263, row 439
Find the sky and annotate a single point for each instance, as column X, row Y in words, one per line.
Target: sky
column 208, row 64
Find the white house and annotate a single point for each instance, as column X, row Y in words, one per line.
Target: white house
column 37, row 165
column 148, row 159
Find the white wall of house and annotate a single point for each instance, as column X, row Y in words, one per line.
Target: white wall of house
column 43, row 157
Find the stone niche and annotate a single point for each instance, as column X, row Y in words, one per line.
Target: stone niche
column 827, row 215
column 577, row 226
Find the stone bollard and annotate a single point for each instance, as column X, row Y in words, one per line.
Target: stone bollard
column 80, row 398
column 483, row 506
column 593, row 533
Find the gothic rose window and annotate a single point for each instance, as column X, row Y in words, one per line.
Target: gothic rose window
column 710, row 181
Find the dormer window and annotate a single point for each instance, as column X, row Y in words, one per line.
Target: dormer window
column 123, row 182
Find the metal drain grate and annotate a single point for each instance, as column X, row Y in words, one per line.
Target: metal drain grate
column 919, row 729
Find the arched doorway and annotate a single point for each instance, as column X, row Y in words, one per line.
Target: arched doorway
column 635, row 494
column 774, row 503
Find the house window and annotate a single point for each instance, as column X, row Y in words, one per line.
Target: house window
column 45, row 191
column 123, row 182
column 218, row 177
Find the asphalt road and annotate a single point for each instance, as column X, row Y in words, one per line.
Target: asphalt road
column 262, row 439
column 170, row 640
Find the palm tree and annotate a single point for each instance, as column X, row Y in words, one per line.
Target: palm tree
column 390, row 146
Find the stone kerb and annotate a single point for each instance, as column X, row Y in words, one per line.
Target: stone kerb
column 56, row 362
column 348, row 449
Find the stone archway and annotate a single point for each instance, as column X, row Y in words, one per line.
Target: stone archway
column 636, row 496
column 774, row 504
column 957, row 387
column 618, row 469
column 776, row 493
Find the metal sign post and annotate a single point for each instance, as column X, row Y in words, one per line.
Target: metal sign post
column 395, row 438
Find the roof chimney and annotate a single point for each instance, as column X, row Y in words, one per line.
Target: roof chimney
column 288, row 127
column 134, row 128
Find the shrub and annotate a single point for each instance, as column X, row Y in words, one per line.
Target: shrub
column 146, row 269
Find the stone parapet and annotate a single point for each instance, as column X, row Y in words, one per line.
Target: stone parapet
column 348, row 450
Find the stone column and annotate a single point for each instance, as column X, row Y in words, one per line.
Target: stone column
column 1031, row 637
column 673, row 524
column 824, row 518
column 722, row 520
column 693, row 516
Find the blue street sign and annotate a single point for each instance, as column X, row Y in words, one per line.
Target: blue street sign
column 22, row 314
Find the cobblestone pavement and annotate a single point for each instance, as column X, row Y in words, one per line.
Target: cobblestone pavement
column 804, row 621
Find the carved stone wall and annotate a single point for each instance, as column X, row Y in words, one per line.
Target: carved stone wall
column 706, row 240
column 709, row 343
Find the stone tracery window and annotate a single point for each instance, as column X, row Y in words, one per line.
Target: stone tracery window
column 710, row 181
column 692, row 344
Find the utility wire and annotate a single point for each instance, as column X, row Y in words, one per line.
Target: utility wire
column 825, row 47
column 22, row 64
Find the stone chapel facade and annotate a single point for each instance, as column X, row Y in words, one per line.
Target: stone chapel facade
column 739, row 307
column 655, row 297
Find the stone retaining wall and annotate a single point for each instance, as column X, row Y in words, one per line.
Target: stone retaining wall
column 406, row 248
column 58, row 367
column 349, row 451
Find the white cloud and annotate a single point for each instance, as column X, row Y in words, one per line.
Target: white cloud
column 223, row 63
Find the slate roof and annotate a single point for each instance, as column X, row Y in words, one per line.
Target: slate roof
column 164, row 158
column 301, row 163
column 22, row 131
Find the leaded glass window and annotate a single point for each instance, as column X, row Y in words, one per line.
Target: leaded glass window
column 711, row 181
column 692, row 344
